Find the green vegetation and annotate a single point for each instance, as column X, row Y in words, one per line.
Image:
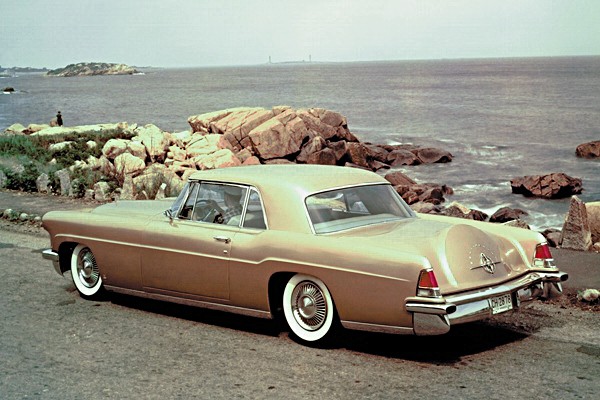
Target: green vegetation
column 24, row 158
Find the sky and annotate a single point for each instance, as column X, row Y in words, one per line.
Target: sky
column 189, row 33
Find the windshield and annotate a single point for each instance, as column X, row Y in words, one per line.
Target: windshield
column 353, row 207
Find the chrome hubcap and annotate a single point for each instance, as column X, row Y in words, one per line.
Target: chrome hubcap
column 309, row 306
column 87, row 270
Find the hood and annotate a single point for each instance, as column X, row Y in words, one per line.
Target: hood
column 139, row 208
column 462, row 256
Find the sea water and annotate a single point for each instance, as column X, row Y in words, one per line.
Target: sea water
column 500, row 118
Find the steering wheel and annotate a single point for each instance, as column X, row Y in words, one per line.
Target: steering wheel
column 207, row 210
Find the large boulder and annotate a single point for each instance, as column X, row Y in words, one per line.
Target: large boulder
column 220, row 159
column 593, row 212
column 551, row 186
column 114, row 147
column 505, row 214
column 128, row 164
column 279, row 137
column 358, row 153
column 201, row 122
column 316, row 144
column 153, row 177
column 237, row 126
column 325, row 156
column 205, row 144
column 155, row 140
column 430, row 155
column 576, row 233
column 458, row 210
column 588, row 150
column 402, row 157
column 398, row 178
column 137, row 149
column 15, row 129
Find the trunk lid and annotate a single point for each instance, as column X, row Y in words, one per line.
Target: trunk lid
column 462, row 256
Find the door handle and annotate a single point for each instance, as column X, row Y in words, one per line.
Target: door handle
column 223, row 239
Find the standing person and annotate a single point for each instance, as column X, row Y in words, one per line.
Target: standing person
column 59, row 120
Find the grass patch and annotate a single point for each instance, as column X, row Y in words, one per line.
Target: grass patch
column 24, row 158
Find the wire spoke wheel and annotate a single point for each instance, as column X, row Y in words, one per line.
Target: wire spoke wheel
column 308, row 307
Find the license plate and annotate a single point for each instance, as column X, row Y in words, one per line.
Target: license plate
column 501, row 304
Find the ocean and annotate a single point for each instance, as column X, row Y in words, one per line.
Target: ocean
column 500, row 118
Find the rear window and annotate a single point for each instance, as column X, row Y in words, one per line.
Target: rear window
column 355, row 207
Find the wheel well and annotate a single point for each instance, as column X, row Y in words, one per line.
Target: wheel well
column 276, row 287
column 64, row 252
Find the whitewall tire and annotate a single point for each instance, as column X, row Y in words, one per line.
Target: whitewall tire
column 85, row 272
column 308, row 308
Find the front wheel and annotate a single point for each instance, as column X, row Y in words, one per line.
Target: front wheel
column 85, row 272
column 308, row 308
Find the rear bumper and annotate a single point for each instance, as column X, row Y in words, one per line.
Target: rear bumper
column 49, row 254
column 436, row 317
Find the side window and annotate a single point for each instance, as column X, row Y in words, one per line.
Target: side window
column 255, row 216
column 188, row 207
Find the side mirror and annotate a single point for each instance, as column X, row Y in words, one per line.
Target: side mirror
column 169, row 214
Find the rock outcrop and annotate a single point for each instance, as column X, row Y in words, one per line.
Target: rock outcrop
column 312, row 136
column 588, row 150
column 413, row 192
column 551, row 186
column 576, row 233
column 241, row 136
column 93, row 68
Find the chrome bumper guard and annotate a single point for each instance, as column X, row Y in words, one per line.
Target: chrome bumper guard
column 436, row 318
column 49, row 254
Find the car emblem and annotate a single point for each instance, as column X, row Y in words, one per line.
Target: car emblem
column 487, row 264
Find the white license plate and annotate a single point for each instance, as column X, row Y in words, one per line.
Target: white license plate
column 501, row 304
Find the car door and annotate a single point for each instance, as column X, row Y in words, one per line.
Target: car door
column 189, row 255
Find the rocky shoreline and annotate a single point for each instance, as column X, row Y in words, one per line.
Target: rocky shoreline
column 154, row 163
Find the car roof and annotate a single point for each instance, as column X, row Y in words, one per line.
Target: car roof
column 283, row 187
column 305, row 177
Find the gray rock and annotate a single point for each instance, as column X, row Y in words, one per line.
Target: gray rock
column 42, row 183
column 576, row 233
column 101, row 191
column 3, row 179
column 65, row 182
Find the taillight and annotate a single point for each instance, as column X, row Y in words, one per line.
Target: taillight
column 428, row 286
column 543, row 256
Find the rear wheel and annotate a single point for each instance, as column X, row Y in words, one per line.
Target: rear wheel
column 308, row 308
column 85, row 272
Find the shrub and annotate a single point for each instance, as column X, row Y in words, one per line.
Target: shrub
column 31, row 152
column 24, row 180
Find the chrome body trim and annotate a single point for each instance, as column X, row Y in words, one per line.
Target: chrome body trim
column 436, row 319
column 49, row 254
column 361, row 326
column 192, row 302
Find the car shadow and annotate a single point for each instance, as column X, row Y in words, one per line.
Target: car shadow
column 448, row 349
column 461, row 341
column 222, row 319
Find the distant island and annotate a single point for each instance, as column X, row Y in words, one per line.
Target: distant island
column 93, row 68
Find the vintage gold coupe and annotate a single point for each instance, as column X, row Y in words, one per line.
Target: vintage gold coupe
column 316, row 245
